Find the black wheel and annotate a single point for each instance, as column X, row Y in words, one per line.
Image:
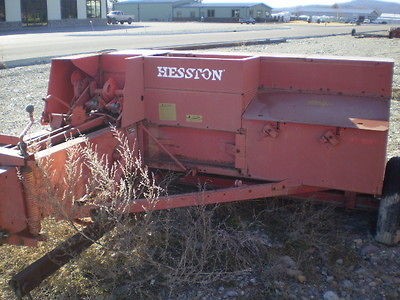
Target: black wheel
column 114, row 21
column 387, row 228
column 353, row 32
column 129, row 21
column 121, row 22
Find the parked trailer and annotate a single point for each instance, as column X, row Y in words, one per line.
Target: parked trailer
column 251, row 126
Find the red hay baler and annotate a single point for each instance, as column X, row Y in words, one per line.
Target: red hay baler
column 251, row 126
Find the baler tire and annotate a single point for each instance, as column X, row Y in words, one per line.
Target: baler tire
column 388, row 224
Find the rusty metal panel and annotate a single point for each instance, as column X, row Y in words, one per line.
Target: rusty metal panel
column 350, row 76
column 11, row 157
column 321, row 109
column 218, row 111
column 354, row 161
column 59, row 86
column 133, row 103
column 240, row 153
column 12, row 208
column 190, row 145
column 233, row 75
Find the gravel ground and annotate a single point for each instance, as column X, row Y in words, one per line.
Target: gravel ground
column 373, row 272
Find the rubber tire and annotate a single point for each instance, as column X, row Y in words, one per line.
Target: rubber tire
column 121, row 22
column 130, row 21
column 387, row 227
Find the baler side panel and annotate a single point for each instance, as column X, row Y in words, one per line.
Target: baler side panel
column 355, row 164
column 191, row 145
column 201, row 74
column 349, row 77
column 215, row 111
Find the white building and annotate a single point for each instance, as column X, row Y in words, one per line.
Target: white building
column 20, row 13
column 283, row 16
column 389, row 19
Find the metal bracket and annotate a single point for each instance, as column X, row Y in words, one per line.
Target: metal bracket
column 330, row 137
column 271, row 130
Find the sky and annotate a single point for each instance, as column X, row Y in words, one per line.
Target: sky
column 287, row 3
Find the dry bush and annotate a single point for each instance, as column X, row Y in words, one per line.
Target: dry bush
column 161, row 254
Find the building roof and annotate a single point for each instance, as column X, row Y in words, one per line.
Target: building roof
column 390, row 16
column 243, row 4
column 148, row 1
column 339, row 10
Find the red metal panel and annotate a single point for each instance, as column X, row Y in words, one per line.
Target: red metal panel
column 192, row 145
column 11, row 157
column 114, row 66
column 12, row 208
column 105, row 144
column 201, row 74
column 133, row 105
column 355, row 164
column 59, row 86
column 87, row 63
column 219, row 111
column 8, row 139
column 334, row 75
column 343, row 111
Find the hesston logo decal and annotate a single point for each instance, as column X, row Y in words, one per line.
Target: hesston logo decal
column 190, row 73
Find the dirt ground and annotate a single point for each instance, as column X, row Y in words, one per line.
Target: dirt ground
column 257, row 250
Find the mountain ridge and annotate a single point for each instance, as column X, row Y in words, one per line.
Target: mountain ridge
column 380, row 6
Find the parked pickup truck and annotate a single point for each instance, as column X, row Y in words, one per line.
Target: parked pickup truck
column 115, row 16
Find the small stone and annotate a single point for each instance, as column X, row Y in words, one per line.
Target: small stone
column 301, row 278
column 347, row 284
column 339, row 261
column 368, row 250
column 329, row 278
column 293, row 273
column 330, row 295
column 253, row 281
column 288, row 262
column 358, row 242
column 221, row 289
column 231, row 294
column 372, row 284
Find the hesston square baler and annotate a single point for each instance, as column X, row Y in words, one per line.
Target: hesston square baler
column 250, row 126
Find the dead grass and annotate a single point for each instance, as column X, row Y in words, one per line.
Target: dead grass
column 161, row 254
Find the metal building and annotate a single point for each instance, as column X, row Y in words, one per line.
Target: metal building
column 191, row 10
column 20, row 13
column 150, row 10
column 339, row 13
column 222, row 12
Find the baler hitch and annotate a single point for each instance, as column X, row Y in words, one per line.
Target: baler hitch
column 31, row 277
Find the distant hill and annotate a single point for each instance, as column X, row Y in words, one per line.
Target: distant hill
column 380, row 6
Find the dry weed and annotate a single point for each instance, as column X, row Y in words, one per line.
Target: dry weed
column 160, row 254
